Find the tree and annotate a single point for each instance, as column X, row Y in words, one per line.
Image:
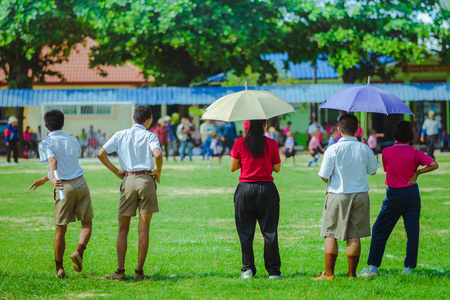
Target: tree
column 441, row 29
column 183, row 41
column 303, row 20
column 26, row 28
column 359, row 36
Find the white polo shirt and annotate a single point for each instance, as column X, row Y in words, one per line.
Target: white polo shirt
column 64, row 148
column 346, row 165
column 431, row 126
column 134, row 147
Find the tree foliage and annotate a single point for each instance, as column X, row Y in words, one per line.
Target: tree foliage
column 183, row 41
column 27, row 26
column 358, row 35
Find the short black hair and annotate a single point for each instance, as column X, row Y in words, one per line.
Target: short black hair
column 54, row 119
column 403, row 132
column 142, row 113
column 348, row 124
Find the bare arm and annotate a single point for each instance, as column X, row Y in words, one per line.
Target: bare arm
column 234, row 164
column 38, row 183
column 102, row 156
column 159, row 162
column 324, row 180
column 52, row 166
column 433, row 166
column 276, row 168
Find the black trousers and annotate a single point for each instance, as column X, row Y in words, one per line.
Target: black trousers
column 258, row 201
column 431, row 142
column 12, row 147
column 403, row 202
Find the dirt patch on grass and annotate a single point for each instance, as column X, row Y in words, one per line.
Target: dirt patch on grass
column 105, row 191
column 93, row 167
column 25, row 171
column 300, row 226
column 88, row 295
column 25, row 220
column 199, row 191
column 180, row 167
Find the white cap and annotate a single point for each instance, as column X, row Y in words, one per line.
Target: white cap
column 431, row 113
column 160, row 120
column 12, row 119
column 166, row 118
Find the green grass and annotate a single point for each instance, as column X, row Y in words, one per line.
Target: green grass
column 194, row 248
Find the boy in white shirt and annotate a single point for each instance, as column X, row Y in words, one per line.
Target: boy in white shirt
column 346, row 214
column 61, row 152
column 136, row 148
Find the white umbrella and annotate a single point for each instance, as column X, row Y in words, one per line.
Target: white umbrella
column 247, row 105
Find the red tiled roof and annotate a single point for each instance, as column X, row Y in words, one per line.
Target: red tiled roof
column 76, row 70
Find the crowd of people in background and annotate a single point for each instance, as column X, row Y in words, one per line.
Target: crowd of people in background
column 214, row 139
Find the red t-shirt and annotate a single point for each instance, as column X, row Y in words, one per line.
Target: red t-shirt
column 256, row 169
column 400, row 162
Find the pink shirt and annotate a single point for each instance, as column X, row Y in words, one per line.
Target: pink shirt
column 26, row 136
column 372, row 142
column 359, row 132
column 256, row 169
column 314, row 143
column 400, row 162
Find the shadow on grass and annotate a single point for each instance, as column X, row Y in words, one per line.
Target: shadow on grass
column 432, row 273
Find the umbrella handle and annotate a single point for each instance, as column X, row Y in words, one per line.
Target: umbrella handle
column 368, row 80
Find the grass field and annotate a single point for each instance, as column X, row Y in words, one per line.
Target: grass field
column 194, row 248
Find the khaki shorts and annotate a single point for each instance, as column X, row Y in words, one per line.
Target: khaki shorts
column 77, row 203
column 138, row 191
column 346, row 216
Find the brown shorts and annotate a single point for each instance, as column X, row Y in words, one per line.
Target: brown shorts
column 346, row 216
column 77, row 203
column 138, row 191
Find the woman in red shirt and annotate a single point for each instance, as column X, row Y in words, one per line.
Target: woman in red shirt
column 256, row 197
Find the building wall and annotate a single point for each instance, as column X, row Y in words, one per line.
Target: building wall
column 121, row 118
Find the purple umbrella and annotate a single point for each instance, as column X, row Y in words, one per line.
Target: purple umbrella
column 366, row 99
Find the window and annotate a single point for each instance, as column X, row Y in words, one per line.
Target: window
column 82, row 110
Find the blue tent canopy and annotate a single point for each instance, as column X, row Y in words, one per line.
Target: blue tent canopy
column 304, row 93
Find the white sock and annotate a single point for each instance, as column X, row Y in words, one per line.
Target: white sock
column 373, row 268
column 407, row 270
